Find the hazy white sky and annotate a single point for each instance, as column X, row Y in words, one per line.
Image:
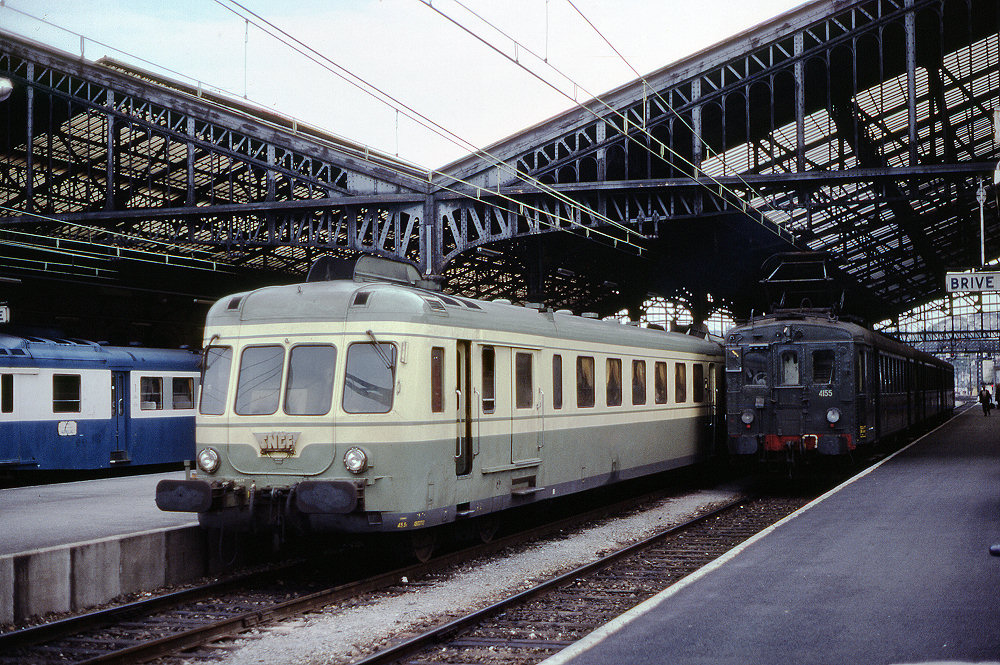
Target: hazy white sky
column 401, row 46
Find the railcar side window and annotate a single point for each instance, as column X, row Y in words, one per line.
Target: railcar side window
column 489, row 380
column 259, row 383
column 523, row 381
column 7, row 393
column 614, row 384
column 215, row 380
column 789, row 368
column 557, row 381
column 183, row 392
column 370, row 380
column 310, row 379
column 823, row 366
column 151, row 393
column 697, row 382
column 638, row 381
column 660, row 389
column 66, row 393
column 437, row 379
column 585, row 381
column 680, row 383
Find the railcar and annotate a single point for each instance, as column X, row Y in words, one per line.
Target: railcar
column 74, row 406
column 367, row 404
column 803, row 385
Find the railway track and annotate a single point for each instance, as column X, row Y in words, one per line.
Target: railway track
column 157, row 627
column 535, row 624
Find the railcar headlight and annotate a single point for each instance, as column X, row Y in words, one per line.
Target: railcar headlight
column 833, row 415
column 746, row 416
column 208, row 460
column 355, row 460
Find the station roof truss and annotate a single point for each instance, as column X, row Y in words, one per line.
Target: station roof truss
column 859, row 128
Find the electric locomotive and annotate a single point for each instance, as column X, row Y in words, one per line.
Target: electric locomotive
column 75, row 406
column 363, row 402
column 803, row 385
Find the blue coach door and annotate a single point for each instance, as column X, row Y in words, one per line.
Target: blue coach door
column 119, row 418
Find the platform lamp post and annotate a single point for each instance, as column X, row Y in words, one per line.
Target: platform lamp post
column 981, row 198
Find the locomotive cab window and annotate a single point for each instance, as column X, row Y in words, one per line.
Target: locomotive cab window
column 7, row 393
column 823, row 362
column 585, row 381
column 66, row 393
column 310, row 380
column 150, row 393
column 370, row 378
column 614, row 384
column 215, row 380
column 259, row 383
column 788, row 368
column 755, row 364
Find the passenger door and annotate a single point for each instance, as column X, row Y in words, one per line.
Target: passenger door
column 119, row 418
column 526, row 399
column 790, row 400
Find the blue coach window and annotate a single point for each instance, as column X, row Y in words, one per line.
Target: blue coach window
column 310, row 380
column 260, row 380
column 215, row 382
column 7, row 393
column 183, row 392
column 370, row 378
column 66, row 393
column 150, row 393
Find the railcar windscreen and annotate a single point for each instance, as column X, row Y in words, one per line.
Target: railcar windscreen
column 215, row 384
column 260, row 380
column 789, row 368
column 368, row 385
column 755, row 364
column 310, row 380
column 823, row 366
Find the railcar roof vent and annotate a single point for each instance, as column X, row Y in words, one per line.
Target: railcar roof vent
column 363, row 269
column 590, row 315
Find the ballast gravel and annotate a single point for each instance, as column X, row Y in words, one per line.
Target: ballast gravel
column 344, row 633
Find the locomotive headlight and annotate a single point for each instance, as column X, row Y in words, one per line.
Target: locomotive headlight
column 832, row 415
column 208, row 460
column 355, row 460
column 746, row 416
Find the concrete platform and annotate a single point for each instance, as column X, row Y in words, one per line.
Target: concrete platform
column 72, row 546
column 891, row 567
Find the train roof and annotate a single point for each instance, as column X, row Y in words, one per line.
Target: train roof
column 350, row 300
column 832, row 327
column 18, row 351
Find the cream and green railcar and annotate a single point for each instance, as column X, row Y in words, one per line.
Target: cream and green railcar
column 358, row 406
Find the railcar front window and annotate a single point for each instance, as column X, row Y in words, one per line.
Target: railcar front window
column 183, row 392
column 259, row 384
column 66, row 393
column 215, row 382
column 585, row 381
column 755, row 366
column 150, row 393
column 370, row 379
column 823, row 366
column 310, row 380
column 789, row 368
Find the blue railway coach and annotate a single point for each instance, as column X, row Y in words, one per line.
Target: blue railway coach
column 79, row 406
